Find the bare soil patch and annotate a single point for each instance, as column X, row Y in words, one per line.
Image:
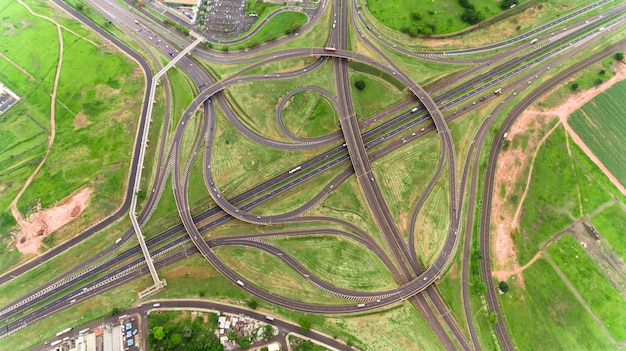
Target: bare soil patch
column 513, row 165
column 80, row 121
column 41, row 223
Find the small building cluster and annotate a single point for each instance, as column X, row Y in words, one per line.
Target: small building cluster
column 240, row 326
column 7, row 98
column 110, row 337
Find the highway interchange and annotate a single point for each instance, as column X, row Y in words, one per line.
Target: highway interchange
column 354, row 157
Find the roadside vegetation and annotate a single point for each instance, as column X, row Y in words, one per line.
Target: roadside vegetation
column 341, row 262
column 309, row 115
column 180, row 330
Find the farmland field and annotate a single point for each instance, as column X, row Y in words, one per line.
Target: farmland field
column 601, row 126
column 603, row 299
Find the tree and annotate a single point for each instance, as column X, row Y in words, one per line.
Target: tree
column 268, row 332
column 243, row 342
column 416, row 15
column 253, row 304
column 619, row 56
column 602, row 72
column 493, row 317
column 304, row 345
column 305, row 325
column 232, row 335
column 158, row 333
column 506, row 4
column 598, row 81
column 504, row 287
column 359, row 84
column 80, row 7
column 176, row 339
column 472, row 16
column 574, row 86
column 115, row 311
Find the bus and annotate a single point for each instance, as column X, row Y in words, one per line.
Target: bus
column 295, row 170
column 269, row 318
column 240, row 282
column 331, row 49
column 119, row 240
column 534, row 41
column 360, row 305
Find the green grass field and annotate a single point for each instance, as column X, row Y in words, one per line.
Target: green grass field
column 272, row 274
column 601, row 127
column 377, row 95
column 611, row 223
column 543, row 314
column 239, row 163
column 444, row 16
column 97, row 107
column 257, row 100
column 552, row 199
column 341, row 262
column 309, row 115
column 603, row 299
column 404, row 174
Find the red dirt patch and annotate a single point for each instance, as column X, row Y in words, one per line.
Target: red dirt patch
column 512, row 166
column 41, row 223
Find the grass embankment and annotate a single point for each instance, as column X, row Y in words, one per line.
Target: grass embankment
column 597, row 291
column 272, row 274
column 98, row 103
column 378, row 93
column 404, row 174
column 341, row 262
column 309, row 114
column 258, row 99
column 239, row 163
column 585, row 79
column 601, row 126
column 611, row 223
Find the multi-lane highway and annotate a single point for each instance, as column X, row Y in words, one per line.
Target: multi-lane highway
column 358, row 150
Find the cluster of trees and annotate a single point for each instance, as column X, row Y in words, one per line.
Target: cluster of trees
column 168, row 332
column 178, row 27
column 419, row 27
column 470, row 14
column 304, row 345
column 294, row 28
column 506, row 4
